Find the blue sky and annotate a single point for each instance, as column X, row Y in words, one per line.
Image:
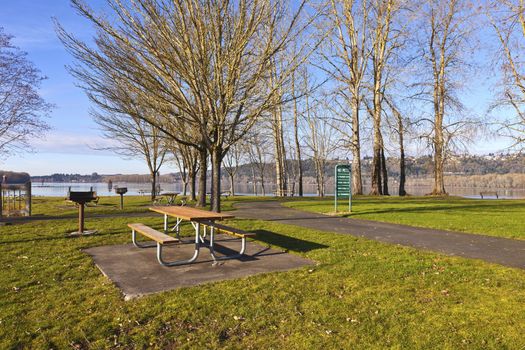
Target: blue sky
column 68, row 148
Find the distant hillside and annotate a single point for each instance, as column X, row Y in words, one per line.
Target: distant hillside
column 420, row 167
column 136, row 178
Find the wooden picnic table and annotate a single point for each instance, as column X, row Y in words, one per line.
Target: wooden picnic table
column 198, row 218
column 170, row 196
column 190, row 214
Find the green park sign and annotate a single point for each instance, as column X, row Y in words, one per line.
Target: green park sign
column 343, row 184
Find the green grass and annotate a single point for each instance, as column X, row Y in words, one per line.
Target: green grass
column 361, row 294
column 501, row 218
column 57, row 206
column 110, row 205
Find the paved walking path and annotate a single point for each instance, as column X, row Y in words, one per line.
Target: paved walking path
column 504, row 251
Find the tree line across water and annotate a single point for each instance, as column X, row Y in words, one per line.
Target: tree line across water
column 505, row 171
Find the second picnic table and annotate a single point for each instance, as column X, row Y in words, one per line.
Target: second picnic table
column 170, row 196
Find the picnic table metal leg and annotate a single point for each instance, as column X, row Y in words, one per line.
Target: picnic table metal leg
column 176, row 228
column 137, row 244
column 226, row 257
column 202, row 238
column 181, row 262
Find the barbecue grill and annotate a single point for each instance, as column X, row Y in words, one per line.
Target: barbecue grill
column 121, row 191
column 81, row 198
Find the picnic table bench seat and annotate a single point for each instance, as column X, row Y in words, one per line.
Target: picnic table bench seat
column 161, row 239
column 227, row 229
column 151, row 233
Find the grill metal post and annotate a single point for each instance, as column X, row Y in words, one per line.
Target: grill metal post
column 81, row 218
column 121, row 191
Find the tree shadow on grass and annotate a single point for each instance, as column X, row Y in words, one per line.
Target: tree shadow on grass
column 287, row 242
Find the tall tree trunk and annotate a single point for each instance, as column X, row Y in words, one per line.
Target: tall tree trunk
column 384, row 172
column 321, row 177
column 193, row 180
column 153, row 175
column 438, row 67
column 296, row 140
column 402, row 169
column 263, row 189
column 254, row 180
column 439, row 143
column 402, row 172
column 357, row 182
column 439, row 182
column 203, row 165
column 280, row 156
column 299, row 160
column 185, row 175
column 216, row 161
column 376, row 188
column 317, row 180
column 380, row 58
column 278, row 169
column 232, row 185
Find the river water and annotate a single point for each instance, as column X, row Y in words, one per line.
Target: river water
column 60, row 189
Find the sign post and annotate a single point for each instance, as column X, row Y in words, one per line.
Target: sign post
column 343, row 184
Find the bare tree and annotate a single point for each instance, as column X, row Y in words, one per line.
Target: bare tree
column 447, row 30
column 278, row 127
column 385, row 40
column 22, row 109
column 347, row 59
column 204, row 62
column 399, row 127
column 507, row 18
column 135, row 137
column 186, row 158
column 257, row 147
column 232, row 161
column 322, row 140
column 183, row 170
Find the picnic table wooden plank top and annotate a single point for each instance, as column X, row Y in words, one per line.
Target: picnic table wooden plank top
column 190, row 214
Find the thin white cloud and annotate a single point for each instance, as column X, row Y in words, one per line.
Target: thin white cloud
column 36, row 38
column 73, row 143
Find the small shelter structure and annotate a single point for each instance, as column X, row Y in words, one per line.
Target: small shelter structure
column 15, row 194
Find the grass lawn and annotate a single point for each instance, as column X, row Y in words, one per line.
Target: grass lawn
column 501, row 218
column 361, row 294
column 110, row 205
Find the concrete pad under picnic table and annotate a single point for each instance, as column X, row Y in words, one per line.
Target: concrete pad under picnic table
column 137, row 272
